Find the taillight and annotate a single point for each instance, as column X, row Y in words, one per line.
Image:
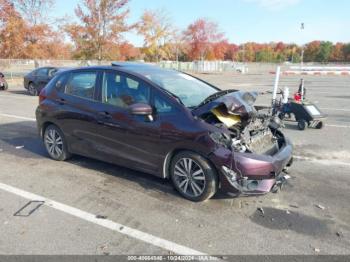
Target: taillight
column 42, row 95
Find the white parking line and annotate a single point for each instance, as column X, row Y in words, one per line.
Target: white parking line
column 341, row 126
column 335, row 109
column 18, row 117
column 18, row 96
column 326, row 162
column 134, row 233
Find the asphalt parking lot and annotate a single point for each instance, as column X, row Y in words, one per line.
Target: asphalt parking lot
column 140, row 214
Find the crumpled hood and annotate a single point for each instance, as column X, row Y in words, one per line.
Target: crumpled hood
column 237, row 103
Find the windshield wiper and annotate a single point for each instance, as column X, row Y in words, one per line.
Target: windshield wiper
column 215, row 96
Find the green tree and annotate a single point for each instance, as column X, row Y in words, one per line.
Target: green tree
column 324, row 51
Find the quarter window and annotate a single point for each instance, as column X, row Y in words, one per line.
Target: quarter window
column 122, row 91
column 82, row 84
column 52, row 72
column 59, row 82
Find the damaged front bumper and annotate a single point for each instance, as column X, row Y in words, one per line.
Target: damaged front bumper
column 252, row 174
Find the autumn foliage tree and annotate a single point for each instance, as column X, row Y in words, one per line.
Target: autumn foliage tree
column 20, row 38
column 157, row 30
column 26, row 32
column 12, row 31
column 34, row 11
column 200, row 36
column 98, row 34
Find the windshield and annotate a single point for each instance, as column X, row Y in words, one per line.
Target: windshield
column 190, row 90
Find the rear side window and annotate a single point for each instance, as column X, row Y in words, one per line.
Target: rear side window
column 82, row 84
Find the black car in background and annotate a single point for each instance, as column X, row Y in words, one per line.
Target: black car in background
column 36, row 80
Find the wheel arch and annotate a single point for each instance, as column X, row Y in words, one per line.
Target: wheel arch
column 45, row 125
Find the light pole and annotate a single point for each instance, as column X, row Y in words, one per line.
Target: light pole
column 302, row 27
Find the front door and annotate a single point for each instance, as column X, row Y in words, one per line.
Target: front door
column 130, row 140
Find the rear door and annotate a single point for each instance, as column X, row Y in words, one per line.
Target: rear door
column 76, row 114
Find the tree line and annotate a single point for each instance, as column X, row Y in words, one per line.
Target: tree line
column 98, row 28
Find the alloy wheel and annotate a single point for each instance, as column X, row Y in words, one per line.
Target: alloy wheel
column 189, row 177
column 53, row 143
column 32, row 90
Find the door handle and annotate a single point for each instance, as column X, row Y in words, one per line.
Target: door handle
column 105, row 115
column 61, row 101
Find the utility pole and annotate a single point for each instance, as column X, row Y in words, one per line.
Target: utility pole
column 302, row 27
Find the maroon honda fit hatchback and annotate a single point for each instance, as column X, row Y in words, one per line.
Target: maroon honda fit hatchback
column 165, row 123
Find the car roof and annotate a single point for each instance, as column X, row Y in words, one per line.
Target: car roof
column 135, row 65
column 127, row 67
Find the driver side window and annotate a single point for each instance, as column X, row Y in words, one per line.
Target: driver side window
column 122, row 91
column 163, row 105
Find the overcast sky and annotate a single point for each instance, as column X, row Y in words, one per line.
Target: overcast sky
column 249, row 20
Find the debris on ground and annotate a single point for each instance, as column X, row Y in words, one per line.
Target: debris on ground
column 101, row 217
column 317, row 250
column 287, row 211
column 320, row 206
column 104, row 247
column 261, row 211
column 294, row 206
column 339, row 234
column 19, row 147
column 121, row 228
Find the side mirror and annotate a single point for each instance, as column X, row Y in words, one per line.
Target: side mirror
column 141, row 109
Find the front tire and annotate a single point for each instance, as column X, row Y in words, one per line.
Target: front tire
column 55, row 143
column 193, row 176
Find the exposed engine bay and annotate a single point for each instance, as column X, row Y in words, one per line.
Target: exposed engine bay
column 246, row 129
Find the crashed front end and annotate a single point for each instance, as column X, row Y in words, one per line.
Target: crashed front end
column 251, row 153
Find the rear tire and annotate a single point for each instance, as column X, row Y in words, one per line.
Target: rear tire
column 55, row 143
column 5, row 87
column 302, row 124
column 32, row 90
column 193, row 176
